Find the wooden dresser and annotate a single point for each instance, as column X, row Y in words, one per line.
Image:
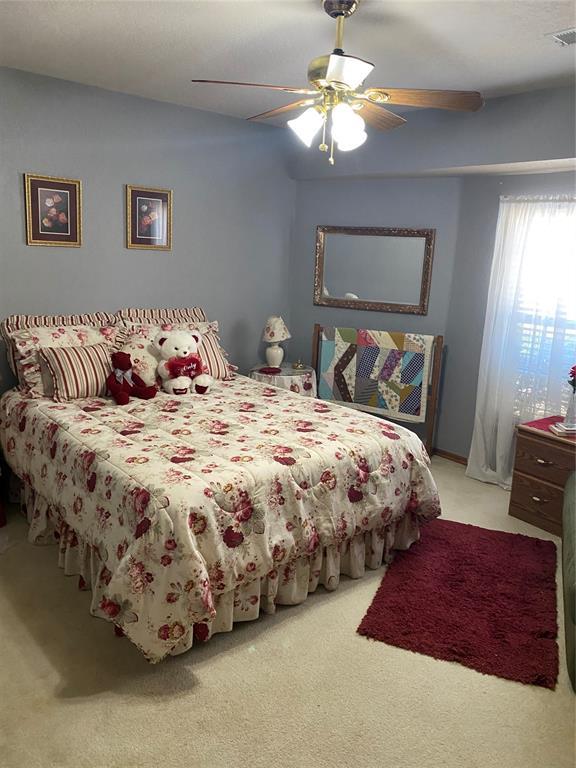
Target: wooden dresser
column 542, row 465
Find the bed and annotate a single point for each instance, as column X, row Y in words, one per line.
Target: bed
column 185, row 515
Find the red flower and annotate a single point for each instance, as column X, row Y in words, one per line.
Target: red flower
column 142, row 527
column 278, row 552
column 354, row 494
column 172, row 597
column 165, row 560
column 233, row 538
column 164, row 632
column 110, row 608
column 286, row 460
column 201, row 632
column 170, row 544
column 197, row 523
column 141, row 499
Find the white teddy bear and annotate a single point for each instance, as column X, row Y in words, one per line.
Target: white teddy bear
column 181, row 368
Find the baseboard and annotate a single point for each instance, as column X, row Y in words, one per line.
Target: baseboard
column 450, row 456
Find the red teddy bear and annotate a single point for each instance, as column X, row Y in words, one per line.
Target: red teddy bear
column 123, row 382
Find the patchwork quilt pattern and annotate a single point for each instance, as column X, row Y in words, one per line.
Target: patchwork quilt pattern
column 376, row 371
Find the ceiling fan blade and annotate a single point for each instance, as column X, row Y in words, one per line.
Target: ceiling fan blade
column 466, row 101
column 290, row 89
column 379, row 117
column 281, row 110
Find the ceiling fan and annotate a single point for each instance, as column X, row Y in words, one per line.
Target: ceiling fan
column 336, row 102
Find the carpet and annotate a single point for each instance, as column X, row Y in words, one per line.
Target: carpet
column 485, row 599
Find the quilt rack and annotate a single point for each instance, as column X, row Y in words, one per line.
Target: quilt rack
column 392, row 375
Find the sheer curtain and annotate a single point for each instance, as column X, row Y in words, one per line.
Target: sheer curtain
column 529, row 341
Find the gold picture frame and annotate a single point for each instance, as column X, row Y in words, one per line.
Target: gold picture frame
column 53, row 206
column 148, row 218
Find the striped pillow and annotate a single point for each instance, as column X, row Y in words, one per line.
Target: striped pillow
column 22, row 322
column 27, row 343
column 131, row 315
column 77, row 372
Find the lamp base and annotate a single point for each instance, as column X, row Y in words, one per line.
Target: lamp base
column 274, row 355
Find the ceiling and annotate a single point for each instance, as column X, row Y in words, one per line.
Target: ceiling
column 153, row 49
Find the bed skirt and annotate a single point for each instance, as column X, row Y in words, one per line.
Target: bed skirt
column 288, row 584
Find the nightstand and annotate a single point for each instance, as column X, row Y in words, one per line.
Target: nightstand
column 299, row 380
column 542, row 465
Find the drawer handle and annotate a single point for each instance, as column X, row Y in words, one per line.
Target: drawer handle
column 539, row 500
column 543, row 462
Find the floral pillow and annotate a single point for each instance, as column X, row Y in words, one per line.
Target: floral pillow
column 139, row 345
column 14, row 323
column 27, row 343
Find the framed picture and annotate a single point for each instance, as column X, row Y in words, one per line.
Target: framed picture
column 53, row 210
column 148, row 218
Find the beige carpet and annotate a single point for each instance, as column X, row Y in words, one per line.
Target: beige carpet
column 299, row 689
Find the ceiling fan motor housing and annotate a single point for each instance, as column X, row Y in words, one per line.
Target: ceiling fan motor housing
column 335, row 8
column 338, row 71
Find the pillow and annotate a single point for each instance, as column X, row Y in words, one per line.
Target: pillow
column 162, row 315
column 21, row 322
column 145, row 358
column 27, row 343
column 77, row 372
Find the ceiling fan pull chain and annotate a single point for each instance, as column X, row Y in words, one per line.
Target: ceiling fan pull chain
column 331, row 158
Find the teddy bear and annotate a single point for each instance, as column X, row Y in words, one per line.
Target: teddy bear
column 181, row 368
column 123, row 382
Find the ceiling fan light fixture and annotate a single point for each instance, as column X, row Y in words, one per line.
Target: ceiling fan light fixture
column 307, row 125
column 347, row 71
column 352, row 142
column 347, row 127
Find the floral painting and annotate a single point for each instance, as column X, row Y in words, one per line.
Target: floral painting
column 53, row 210
column 149, row 218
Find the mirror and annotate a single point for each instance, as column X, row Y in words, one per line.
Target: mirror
column 378, row 268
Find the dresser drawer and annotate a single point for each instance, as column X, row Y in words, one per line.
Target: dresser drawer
column 541, row 500
column 543, row 460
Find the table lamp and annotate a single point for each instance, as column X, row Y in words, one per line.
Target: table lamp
column 275, row 331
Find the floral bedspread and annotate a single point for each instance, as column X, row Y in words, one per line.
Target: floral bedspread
column 186, row 499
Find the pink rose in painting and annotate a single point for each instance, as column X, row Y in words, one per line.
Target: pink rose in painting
column 172, row 597
column 170, row 544
column 165, row 560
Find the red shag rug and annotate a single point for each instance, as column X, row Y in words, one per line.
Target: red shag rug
column 486, row 599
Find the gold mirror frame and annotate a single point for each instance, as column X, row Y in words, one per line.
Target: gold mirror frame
column 378, row 306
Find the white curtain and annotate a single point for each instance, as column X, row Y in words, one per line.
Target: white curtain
column 529, row 342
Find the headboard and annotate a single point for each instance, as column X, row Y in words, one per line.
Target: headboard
column 390, row 374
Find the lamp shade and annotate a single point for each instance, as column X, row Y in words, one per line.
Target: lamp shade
column 275, row 329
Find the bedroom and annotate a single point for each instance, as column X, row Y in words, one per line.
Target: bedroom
column 102, row 93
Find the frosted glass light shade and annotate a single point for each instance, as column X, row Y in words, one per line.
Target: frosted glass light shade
column 307, row 125
column 352, row 143
column 347, row 70
column 347, row 128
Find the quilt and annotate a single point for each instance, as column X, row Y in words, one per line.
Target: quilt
column 376, row 371
column 186, row 499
